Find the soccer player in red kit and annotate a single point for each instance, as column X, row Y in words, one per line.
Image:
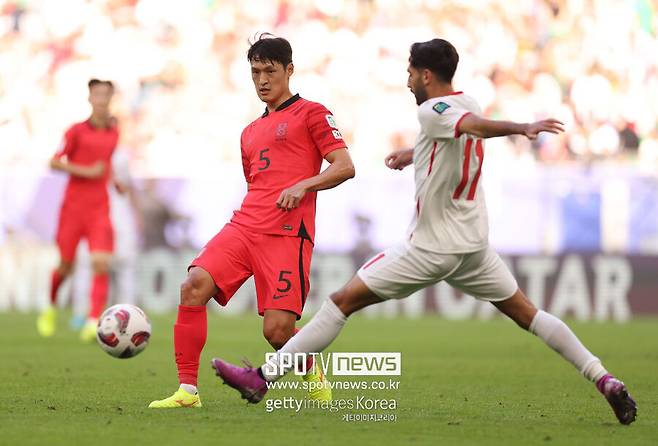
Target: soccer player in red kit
column 271, row 235
column 85, row 212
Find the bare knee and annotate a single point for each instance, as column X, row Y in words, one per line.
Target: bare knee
column 354, row 296
column 65, row 269
column 278, row 334
column 519, row 309
column 198, row 288
column 101, row 266
column 341, row 299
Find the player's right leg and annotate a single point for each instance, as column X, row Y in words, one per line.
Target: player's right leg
column 69, row 232
column 217, row 272
column 100, row 283
column 100, row 236
column 190, row 333
column 47, row 320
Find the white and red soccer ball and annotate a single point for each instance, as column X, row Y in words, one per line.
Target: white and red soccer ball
column 123, row 331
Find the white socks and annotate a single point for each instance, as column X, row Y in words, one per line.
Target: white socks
column 314, row 337
column 325, row 326
column 189, row 388
column 560, row 338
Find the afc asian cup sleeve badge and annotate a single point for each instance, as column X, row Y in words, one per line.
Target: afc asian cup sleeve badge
column 331, row 121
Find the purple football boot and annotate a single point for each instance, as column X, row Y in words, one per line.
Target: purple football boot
column 245, row 380
column 621, row 402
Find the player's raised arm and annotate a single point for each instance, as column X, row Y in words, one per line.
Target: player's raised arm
column 489, row 128
column 340, row 169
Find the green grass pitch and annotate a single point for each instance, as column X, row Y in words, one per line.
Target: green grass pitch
column 465, row 382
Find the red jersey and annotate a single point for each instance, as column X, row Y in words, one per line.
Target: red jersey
column 280, row 149
column 86, row 145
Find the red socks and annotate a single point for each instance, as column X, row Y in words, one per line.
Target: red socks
column 99, row 286
column 55, row 282
column 190, row 333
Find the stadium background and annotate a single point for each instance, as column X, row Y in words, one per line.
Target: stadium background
column 575, row 215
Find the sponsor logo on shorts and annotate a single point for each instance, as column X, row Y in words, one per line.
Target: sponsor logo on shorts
column 287, row 227
column 279, row 296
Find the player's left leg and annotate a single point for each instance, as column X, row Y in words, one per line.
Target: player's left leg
column 485, row 276
column 278, row 328
column 315, row 336
column 557, row 335
column 100, row 283
column 281, row 272
column 100, row 236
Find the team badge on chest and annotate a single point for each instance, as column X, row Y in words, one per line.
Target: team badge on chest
column 281, row 131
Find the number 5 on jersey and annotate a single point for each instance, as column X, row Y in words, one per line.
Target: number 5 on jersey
column 264, row 159
column 466, row 168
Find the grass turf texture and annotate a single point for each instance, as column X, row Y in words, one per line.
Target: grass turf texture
column 462, row 383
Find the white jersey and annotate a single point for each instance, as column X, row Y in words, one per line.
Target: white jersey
column 451, row 215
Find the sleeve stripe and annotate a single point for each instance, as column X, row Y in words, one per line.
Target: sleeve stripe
column 457, row 132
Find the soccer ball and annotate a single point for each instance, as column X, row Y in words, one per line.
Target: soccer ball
column 123, row 331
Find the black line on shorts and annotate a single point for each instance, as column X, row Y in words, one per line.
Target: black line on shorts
column 303, row 235
column 301, row 270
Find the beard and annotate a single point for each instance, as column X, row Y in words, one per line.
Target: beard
column 420, row 93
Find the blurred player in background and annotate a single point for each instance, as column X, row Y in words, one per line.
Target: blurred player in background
column 448, row 238
column 124, row 258
column 271, row 235
column 85, row 213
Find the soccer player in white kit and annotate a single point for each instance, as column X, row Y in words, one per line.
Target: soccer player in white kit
column 448, row 237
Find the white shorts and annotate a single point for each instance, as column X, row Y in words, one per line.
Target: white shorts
column 400, row 271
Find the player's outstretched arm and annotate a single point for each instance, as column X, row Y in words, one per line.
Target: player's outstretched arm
column 489, row 128
column 340, row 169
column 96, row 170
column 399, row 159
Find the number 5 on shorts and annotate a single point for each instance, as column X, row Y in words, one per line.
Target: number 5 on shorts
column 284, row 280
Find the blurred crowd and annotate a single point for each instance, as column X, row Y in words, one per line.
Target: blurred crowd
column 185, row 92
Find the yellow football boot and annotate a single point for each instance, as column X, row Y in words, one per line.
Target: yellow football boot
column 47, row 322
column 318, row 388
column 88, row 332
column 179, row 399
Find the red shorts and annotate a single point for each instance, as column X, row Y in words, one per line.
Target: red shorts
column 96, row 227
column 280, row 265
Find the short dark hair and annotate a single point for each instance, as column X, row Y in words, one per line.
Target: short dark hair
column 268, row 48
column 93, row 82
column 437, row 55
